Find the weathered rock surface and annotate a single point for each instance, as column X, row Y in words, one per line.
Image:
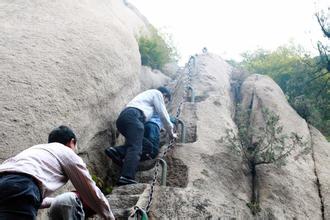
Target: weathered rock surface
column 66, row 62
column 151, row 79
column 216, row 186
column 289, row 191
column 322, row 168
column 74, row 63
column 170, row 69
column 218, row 183
column 77, row 63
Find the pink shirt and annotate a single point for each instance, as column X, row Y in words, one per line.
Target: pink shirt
column 53, row 165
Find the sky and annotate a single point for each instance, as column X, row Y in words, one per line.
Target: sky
column 230, row 27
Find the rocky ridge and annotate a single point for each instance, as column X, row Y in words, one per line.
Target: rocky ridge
column 77, row 63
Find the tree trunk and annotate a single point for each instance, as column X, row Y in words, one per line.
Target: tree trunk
column 255, row 190
column 254, row 184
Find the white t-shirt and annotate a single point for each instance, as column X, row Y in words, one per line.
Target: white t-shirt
column 152, row 101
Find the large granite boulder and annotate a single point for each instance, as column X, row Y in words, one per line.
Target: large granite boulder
column 77, row 63
column 66, row 62
column 214, row 183
column 211, row 182
column 321, row 155
column 151, row 79
column 289, row 191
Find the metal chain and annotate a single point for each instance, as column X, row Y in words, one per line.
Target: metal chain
column 172, row 141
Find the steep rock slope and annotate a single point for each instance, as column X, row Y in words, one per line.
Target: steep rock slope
column 289, row 191
column 77, row 63
column 152, row 78
column 216, row 186
column 321, row 156
column 66, row 62
column 218, row 183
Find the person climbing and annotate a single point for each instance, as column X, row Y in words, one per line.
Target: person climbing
column 150, row 142
column 27, row 179
column 130, row 124
column 151, row 138
column 204, row 50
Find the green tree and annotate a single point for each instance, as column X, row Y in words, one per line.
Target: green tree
column 322, row 72
column 280, row 64
column 263, row 145
column 156, row 49
column 303, row 79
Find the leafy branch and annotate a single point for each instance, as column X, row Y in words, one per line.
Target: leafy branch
column 264, row 145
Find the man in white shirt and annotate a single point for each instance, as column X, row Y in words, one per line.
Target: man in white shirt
column 130, row 124
column 150, row 142
column 27, row 179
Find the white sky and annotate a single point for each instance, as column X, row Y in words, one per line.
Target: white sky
column 230, row 27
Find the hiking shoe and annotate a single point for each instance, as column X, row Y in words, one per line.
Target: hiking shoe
column 125, row 181
column 114, row 156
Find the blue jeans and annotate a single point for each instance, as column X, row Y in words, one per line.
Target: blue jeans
column 150, row 141
column 130, row 124
column 66, row 206
column 20, row 197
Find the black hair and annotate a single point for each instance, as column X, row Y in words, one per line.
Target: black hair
column 61, row 134
column 166, row 92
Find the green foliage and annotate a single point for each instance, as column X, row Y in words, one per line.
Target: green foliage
column 100, row 183
column 303, row 79
column 263, row 145
column 156, row 50
column 321, row 74
column 280, row 64
column 254, row 207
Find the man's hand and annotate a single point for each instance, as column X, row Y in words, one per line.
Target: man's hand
column 46, row 202
column 174, row 135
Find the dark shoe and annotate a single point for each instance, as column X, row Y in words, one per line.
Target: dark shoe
column 114, row 156
column 125, row 181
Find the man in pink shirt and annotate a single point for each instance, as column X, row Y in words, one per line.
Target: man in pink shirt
column 28, row 179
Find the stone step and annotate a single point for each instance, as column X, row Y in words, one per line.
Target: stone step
column 132, row 189
column 123, row 198
column 121, row 214
column 122, row 201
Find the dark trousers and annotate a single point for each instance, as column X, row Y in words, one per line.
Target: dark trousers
column 130, row 124
column 20, row 197
column 150, row 142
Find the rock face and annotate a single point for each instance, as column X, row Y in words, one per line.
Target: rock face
column 215, row 185
column 151, row 79
column 294, row 184
column 218, row 183
column 321, row 156
column 77, row 63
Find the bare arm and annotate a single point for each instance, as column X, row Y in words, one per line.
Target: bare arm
column 78, row 174
column 160, row 108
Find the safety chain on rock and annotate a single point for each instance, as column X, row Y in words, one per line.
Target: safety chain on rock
column 172, row 141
